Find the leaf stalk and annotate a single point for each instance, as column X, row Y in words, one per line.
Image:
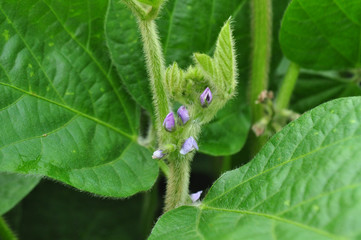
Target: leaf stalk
column 287, row 87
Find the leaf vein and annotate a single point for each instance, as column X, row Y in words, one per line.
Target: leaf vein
column 97, row 63
column 32, row 54
column 277, row 218
column 336, row 49
column 94, row 119
column 282, row 164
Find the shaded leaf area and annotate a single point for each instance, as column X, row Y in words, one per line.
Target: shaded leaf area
column 304, row 184
column 322, row 34
column 125, row 48
column 314, row 89
column 182, row 34
column 13, row 188
column 216, row 141
column 63, row 111
column 53, row 211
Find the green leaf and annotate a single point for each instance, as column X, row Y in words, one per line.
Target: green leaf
column 63, row 111
column 206, row 63
column 218, row 141
column 125, row 47
column 13, row 188
column 221, row 69
column 71, row 215
column 181, row 34
column 323, row 34
column 304, row 184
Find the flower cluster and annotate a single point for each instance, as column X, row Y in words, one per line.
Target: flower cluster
column 169, row 125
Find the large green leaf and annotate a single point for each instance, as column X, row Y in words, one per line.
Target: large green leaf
column 53, row 211
column 13, row 188
column 182, row 34
column 304, row 184
column 63, row 111
column 322, row 34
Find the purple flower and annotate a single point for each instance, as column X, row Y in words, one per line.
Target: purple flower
column 195, row 196
column 206, row 97
column 158, row 154
column 169, row 122
column 183, row 114
column 189, row 145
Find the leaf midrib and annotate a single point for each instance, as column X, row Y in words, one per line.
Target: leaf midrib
column 94, row 119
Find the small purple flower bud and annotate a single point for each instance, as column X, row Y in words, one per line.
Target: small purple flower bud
column 158, row 154
column 195, row 196
column 183, row 114
column 169, row 122
column 189, row 145
column 206, row 97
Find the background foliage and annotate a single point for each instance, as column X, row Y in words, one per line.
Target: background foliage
column 74, row 98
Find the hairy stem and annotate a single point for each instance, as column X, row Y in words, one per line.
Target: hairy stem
column 261, row 54
column 178, row 182
column 287, row 87
column 156, row 71
column 5, row 231
column 179, row 167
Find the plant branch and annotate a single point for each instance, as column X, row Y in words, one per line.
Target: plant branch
column 5, row 231
column 261, row 54
column 287, row 87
